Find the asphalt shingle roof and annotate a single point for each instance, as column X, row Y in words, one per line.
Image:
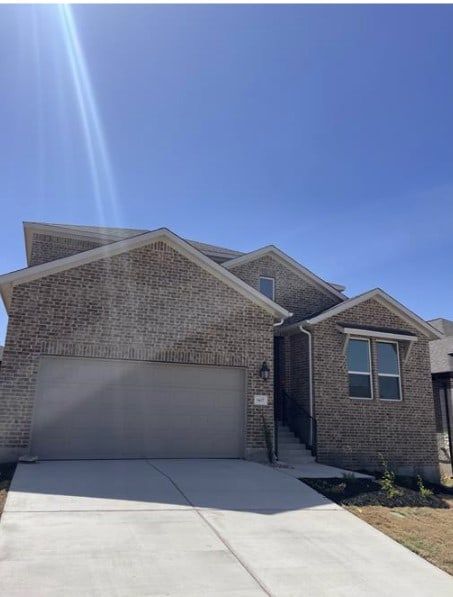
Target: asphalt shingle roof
column 441, row 351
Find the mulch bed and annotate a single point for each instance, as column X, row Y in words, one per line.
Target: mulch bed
column 6, row 474
column 369, row 492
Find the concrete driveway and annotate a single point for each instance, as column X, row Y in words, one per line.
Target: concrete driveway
column 192, row 528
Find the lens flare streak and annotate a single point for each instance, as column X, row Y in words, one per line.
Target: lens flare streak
column 97, row 153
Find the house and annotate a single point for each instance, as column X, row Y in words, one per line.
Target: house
column 133, row 343
column 441, row 352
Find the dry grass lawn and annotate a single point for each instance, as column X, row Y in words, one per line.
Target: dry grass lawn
column 426, row 531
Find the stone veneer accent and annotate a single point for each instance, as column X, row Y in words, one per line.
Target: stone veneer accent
column 47, row 247
column 150, row 303
column 351, row 433
column 292, row 291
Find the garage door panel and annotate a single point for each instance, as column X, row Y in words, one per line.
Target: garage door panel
column 96, row 408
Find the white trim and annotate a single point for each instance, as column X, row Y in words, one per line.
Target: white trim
column 369, row 373
column 299, row 269
column 310, row 379
column 7, row 281
column 273, row 285
column 375, row 334
column 400, row 388
column 387, row 301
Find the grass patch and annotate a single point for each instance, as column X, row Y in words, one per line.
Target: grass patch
column 6, row 474
column 418, row 520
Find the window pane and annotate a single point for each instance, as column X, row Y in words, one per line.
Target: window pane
column 358, row 356
column 267, row 287
column 389, row 388
column 387, row 358
column 359, row 386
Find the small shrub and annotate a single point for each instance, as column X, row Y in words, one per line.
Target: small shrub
column 339, row 488
column 388, row 480
column 349, row 476
column 424, row 491
column 268, row 438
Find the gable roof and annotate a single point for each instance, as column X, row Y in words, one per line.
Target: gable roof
column 382, row 297
column 106, row 235
column 8, row 281
column 300, row 270
column 443, row 325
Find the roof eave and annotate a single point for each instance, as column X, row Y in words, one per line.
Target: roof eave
column 120, row 246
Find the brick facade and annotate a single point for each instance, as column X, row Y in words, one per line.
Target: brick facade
column 297, row 295
column 150, row 303
column 352, row 432
column 47, row 248
column 153, row 304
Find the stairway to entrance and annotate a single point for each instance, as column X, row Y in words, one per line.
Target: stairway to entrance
column 290, row 450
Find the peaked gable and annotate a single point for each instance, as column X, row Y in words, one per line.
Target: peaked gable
column 300, row 270
column 385, row 299
column 8, row 281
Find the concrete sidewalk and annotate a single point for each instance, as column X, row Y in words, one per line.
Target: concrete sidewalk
column 193, row 528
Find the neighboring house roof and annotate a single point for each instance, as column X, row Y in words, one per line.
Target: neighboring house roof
column 380, row 296
column 441, row 351
column 272, row 251
column 443, row 325
column 8, row 281
column 1, row 352
column 107, row 235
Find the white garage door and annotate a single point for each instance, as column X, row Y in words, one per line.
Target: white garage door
column 96, row 408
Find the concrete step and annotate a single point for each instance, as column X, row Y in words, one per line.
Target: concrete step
column 292, row 451
column 288, row 438
column 290, row 445
column 295, row 459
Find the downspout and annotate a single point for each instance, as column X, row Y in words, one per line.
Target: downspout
column 280, row 322
column 310, row 377
column 276, row 325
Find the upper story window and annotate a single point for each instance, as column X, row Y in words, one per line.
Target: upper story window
column 267, row 287
column 389, row 378
column 359, row 369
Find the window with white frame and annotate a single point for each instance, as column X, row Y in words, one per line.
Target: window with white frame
column 359, row 368
column 388, row 370
column 267, row 287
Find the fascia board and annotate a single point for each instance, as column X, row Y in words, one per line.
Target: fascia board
column 352, row 331
column 115, row 248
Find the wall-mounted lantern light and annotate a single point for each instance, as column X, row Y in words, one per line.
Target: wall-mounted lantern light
column 264, row 371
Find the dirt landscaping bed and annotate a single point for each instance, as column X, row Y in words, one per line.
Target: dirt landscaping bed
column 6, row 474
column 421, row 522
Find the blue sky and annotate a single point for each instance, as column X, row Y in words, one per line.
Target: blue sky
column 326, row 130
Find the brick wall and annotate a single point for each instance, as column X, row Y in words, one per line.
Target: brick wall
column 47, row 248
column 291, row 291
column 148, row 304
column 351, row 433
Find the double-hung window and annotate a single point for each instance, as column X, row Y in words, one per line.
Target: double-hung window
column 389, row 379
column 359, row 369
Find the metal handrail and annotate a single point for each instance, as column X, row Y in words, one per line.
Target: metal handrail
column 299, row 421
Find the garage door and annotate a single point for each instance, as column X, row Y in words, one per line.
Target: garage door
column 96, row 408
